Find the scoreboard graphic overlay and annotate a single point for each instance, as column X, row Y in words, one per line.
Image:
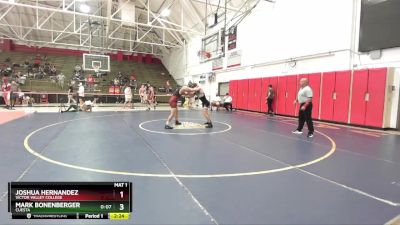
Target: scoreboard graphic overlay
column 70, row 200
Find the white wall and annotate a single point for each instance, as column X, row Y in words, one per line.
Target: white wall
column 321, row 35
column 275, row 32
column 291, row 28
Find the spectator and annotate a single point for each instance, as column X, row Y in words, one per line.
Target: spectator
column 90, row 82
column 128, row 96
column 22, row 80
column 6, row 88
column 41, row 72
column 133, row 77
column 216, row 102
column 70, row 94
column 13, row 93
column 46, row 68
column 26, row 63
column 81, row 94
column 150, row 98
column 133, row 82
column 227, row 100
column 61, row 79
column 53, row 70
column 116, row 81
column 77, row 69
column 77, row 76
column 119, row 77
column 270, row 99
column 37, row 61
column 30, row 70
column 167, row 86
column 18, row 76
column 142, row 94
column 21, row 95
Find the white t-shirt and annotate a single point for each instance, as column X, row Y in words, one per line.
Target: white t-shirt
column 227, row 99
column 128, row 91
column 81, row 91
column 216, row 99
column 304, row 94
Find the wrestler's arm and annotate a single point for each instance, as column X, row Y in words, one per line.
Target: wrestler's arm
column 188, row 89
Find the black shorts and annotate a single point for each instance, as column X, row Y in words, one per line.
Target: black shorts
column 204, row 102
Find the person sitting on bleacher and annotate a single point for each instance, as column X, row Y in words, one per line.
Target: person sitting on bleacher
column 216, row 102
column 132, row 82
column 90, row 82
column 116, row 81
column 53, row 70
column 227, row 100
column 61, row 79
column 77, row 69
column 37, row 61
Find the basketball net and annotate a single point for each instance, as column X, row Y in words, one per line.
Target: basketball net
column 96, row 69
column 204, row 55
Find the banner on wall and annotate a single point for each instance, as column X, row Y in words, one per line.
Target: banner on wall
column 217, row 64
column 203, row 79
column 232, row 38
column 234, row 58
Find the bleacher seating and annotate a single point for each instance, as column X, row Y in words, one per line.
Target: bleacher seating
column 65, row 64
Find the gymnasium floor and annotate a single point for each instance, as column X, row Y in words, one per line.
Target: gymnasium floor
column 248, row 169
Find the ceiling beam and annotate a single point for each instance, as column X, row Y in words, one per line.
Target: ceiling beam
column 216, row 5
column 38, row 7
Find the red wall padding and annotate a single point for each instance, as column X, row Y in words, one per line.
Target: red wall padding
column 331, row 89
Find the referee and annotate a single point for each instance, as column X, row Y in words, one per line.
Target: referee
column 304, row 97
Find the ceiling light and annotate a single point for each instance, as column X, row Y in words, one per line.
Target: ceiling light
column 84, row 8
column 165, row 12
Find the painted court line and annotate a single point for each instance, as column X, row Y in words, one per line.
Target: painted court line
column 339, row 149
column 325, row 179
column 252, row 173
column 26, row 170
column 229, row 127
column 176, row 176
column 180, row 183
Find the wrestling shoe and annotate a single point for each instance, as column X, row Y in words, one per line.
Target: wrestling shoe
column 297, row 132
